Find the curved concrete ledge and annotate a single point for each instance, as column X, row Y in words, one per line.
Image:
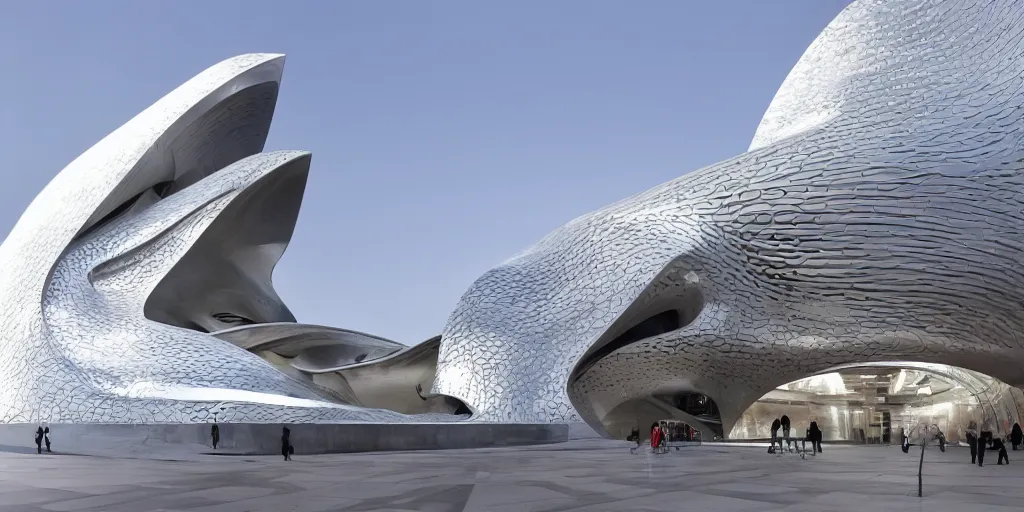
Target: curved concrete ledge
column 265, row 438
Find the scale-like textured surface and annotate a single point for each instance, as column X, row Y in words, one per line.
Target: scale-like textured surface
column 878, row 216
column 84, row 259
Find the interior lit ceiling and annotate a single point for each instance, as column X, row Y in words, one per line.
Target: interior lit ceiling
column 882, row 383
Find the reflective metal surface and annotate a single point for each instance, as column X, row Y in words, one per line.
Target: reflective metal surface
column 167, row 229
column 877, row 217
column 311, row 348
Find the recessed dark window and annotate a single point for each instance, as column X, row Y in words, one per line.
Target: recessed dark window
column 231, row 318
column 660, row 323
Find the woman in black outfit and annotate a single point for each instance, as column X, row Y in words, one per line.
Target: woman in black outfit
column 776, row 425
column 815, row 434
column 215, row 435
column 983, row 440
column 997, row 444
column 1016, row 436
column 785, row 429
column 972, row 440
column 39, row 439
column 286, row 444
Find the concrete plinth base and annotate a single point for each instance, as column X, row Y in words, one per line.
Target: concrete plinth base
column 265, row 439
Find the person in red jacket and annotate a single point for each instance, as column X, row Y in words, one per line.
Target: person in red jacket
column 655, row 436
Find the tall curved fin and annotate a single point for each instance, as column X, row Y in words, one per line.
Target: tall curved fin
column 130, row 159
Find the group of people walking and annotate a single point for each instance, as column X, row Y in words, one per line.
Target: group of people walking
column 980, row 442
column 661, row 434
column 813, row 434
column 659, row 438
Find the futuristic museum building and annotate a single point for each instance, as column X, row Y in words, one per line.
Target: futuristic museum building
column 874, row 227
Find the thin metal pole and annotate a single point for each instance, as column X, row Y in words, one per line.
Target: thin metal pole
column 920, row 465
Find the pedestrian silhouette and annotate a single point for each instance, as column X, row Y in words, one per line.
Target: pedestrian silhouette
column 46, row 437
column 39, row 439
column 286, row 444
column 215, row 434
column 998, row 445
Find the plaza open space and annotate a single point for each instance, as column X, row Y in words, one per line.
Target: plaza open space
column 583, row 474
column 830, row 254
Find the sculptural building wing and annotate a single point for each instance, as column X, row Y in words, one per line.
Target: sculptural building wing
column 877, row 217
column 128, row 264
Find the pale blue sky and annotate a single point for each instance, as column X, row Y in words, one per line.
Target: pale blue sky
column 446, row 135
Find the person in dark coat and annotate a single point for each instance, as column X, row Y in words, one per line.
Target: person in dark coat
column 215, row 435
column 785, row 430
column 998, row 444
column 972, row 441
column 46, row 437
column 816, row 432
column 941, row 438
column 983, row 441
column 633, row 435
column 904, row 441
column 286, row 443
column 1016, row 436
column 39, row 439
column 776, row 425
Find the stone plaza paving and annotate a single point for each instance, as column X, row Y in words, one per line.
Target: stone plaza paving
column 582, row 475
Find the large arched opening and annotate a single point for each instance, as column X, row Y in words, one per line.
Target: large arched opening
column 869, row 403
column 696, row 410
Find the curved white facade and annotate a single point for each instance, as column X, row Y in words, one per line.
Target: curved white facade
column 878, row 216
column 166, row 230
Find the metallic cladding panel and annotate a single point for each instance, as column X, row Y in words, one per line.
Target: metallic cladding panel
column 83, row 262
column 879, row 216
